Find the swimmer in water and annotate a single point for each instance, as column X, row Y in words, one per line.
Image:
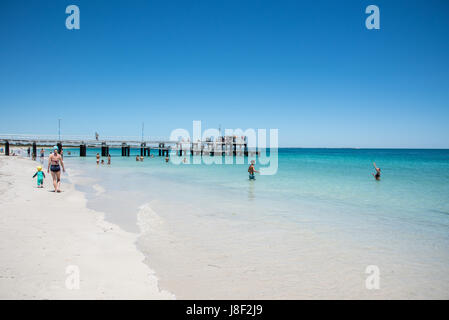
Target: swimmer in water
column 109, row 159
column 40, row 177
column 166, row 159
column 98, row 158
column 252, row 170
column 377, row 174
column 42, row 156
column 54, row 164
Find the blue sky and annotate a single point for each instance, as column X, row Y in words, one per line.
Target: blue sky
column 308, row 68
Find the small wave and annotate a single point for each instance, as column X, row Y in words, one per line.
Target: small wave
column 148, row 219
column 98, row 189
column 439, row 211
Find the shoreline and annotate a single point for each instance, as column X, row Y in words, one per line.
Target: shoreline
column 47, row 237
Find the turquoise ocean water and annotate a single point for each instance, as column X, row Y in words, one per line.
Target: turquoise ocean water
column 308, row 231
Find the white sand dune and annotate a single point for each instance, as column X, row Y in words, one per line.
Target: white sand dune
column 46, row 234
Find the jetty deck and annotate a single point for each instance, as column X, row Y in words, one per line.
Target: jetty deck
column 223, row 145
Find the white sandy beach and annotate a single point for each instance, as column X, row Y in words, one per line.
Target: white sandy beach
column 43, row 233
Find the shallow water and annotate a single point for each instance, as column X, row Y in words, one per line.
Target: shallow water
column 309, row 231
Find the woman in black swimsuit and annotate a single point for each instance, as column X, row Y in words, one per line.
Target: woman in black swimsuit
column 54, row 162
column 377, row 174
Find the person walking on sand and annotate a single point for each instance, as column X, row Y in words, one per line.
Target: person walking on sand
column 98, row 158
column 252, row 170
column 377, row 174
column 109, row 158
column 54, row 164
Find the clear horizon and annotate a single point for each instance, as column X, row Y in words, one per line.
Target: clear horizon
column 310, row 69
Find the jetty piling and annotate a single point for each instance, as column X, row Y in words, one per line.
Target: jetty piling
column 143, row 149
column 83, row 150
column 59, row 145
column 34, row 153
column 103, row 149
column 161, row 147
column 125, row 149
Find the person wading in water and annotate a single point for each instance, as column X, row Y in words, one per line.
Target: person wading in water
column 54, row 165
column 42, row 156
column 377, row 174
column 252, row 170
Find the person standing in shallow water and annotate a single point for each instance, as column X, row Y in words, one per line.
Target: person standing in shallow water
column 42, row 156
column 252, row 170
column 54, row 164
column 377, row 174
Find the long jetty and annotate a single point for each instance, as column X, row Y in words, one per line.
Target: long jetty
column 223, row 145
